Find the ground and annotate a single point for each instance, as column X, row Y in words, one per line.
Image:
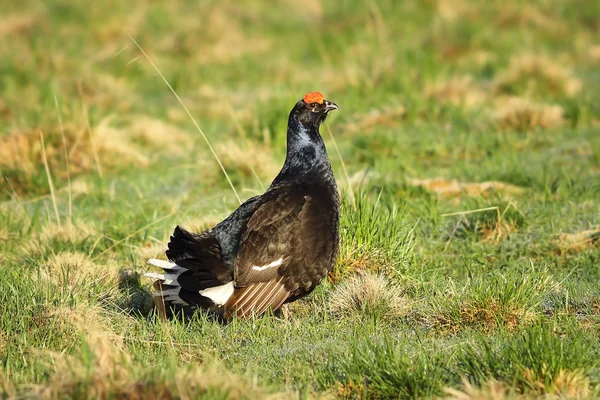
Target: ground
column 467, row 151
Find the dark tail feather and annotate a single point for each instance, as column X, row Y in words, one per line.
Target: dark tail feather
column 195, row 275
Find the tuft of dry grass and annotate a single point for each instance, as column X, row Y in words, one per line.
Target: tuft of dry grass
column 567, row 384
column 90, row 320
column 452, row 10
column 4, row 233
column 535, row 74
column 111, row 372
column 449, row 188
column 7, row 388
column 490, row 315
column 459, row 91
column 569, row 243
column 3, row 343
column 76, row 272
column 518, row 14
column 481, row 58
column 376, row 119
column 486, row 317
column 521, row 114
column 249, row 158
column 156, row 134
column 105, row 146
column 16, row 24
column 152, row 250
column 498, row 230
column 311, row 10
column 489, row 306
column 368, row 294
column 22, row 151
column 201, row 224
column 52, row 233
column 355, row 260
column 491, row 390
column 359, row 178
column 141, row 135
column 594, row 53
column 491, row 229
column 221, row 32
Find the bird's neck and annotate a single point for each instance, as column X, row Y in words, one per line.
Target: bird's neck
column 306, row 153
column 301, row 137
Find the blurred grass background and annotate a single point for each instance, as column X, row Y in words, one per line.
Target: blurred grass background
column 470, row 233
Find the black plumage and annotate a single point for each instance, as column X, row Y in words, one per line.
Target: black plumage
column 275, row 248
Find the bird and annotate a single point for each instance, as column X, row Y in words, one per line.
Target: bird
column 276, row 247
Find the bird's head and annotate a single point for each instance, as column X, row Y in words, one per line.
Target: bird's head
column 313, row 109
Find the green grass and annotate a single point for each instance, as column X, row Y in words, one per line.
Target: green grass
column 470, row 133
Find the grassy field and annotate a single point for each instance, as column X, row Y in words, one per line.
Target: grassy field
column 469, row 161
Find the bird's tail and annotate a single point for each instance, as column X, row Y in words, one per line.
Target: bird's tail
column 166, row 287
column 197, row 278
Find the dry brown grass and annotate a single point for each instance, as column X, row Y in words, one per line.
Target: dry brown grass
column 491, row 315
column 360, row 178
column 3, row 343
column 534, row 15
column 521, row 114
column 105, row 146
column 7, row 388
column 157, row 135
column 487, row 317
column 356, row 260
column 115, row 380
column 566, row 385
column 498, row 231
column 452, row 10
column 110, row 371
column 450, row 188
column 594, row 54
column 480, row 58
column 51, row 233
column 248, row 158
column 369, row 294
column 458, row 90
column 78, row 273
column 489, row 229
column 489, row 309
column 15, row 24
column 4, row 233
column 535, row 74
column 91, row 320
column 138, row 138
column 491, row 390
column 4, row 109
column 201, row 224
column 570, row 243
column 152, row 249
column 311, row 10
column 351, row 76
column 376, row 119
column 221, row 33
column 113, row 373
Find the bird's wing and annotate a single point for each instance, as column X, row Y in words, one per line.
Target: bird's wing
column 279, row 252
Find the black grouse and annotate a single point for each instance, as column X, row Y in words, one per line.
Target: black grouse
column 275, row 248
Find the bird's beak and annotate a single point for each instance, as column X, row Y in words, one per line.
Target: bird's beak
column 329, row 106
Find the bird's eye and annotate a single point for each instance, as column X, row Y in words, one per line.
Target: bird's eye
column 313, row 105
